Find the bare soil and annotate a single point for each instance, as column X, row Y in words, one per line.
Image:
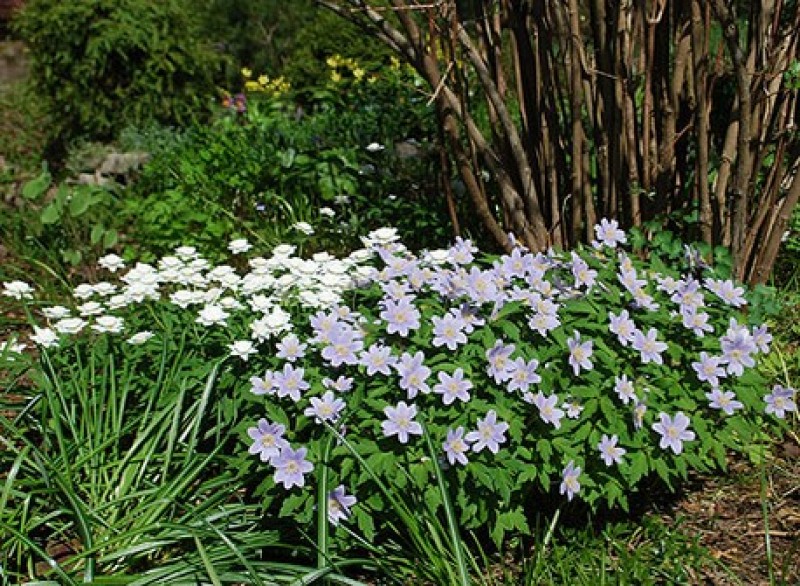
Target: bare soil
column 738, row 516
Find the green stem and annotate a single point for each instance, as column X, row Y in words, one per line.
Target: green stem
column 452, row 524
column 323, row 535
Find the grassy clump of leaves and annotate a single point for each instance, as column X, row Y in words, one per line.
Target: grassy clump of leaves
column 118, row 464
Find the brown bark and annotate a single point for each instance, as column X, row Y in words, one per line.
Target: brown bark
column 700, row 64
column 621, row 109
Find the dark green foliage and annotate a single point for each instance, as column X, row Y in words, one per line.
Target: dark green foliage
column 259, row 34
column 285, row 38
column 259, row 173
column 324, row 35
column 101, row 65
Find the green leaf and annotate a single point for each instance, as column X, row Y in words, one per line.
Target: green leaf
column 73, row 257
column 291, row 504
column 544, row 449
column 662, row 470
column 365, row 523
column 509, row 521
column 35, row 188
column 638, row 467
column 50, row 214
column 79, row 203
column 110, row 238
column 97, row 233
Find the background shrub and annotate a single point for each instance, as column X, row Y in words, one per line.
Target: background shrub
column 292, row 39
column 266, row 163
column 101, row 65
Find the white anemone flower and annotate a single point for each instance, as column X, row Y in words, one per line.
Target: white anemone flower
column 284, row 250
column 140, row 338
column 18, row 290
column 304, row 227
column 186, row 252
column 70, row 325
column 55, row 312
column 44, row 337
column 117, row 301
column 112, row 263
column 90, row 308
column 83, row 291
column 105, row 289
column 212, row 315
column 243, row 349
column 12, row 347
column 108, row 324
column 239, row 246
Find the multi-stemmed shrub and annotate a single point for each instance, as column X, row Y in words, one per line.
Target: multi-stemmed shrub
column 370, row 388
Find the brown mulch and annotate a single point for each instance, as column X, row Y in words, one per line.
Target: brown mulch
column 727, row 516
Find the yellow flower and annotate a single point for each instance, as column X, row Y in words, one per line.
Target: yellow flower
column 280, row 85
column 334, row 60
column 246, row 73
column 263, row 79
column 336, row 77
column 359, row 73
column 395, row 62
column 252, row 86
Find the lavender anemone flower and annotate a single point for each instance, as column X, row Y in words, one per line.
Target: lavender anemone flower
column 401, row 316
column 339, row 504
column 709, row 369
column 724, row 401
column 674, row 431
column 290, row 382
column 326, row 408
column 609, row 451
column 413, row 374
column 453, row 387
column 548, row 409
column 569, row 480
column 490, row 434
column 609, row 233
column 780, row 401
column 523, row 374
column 448, row 330
column 343, row 346
column 377, row 359
column 291, row 466
column 455, row 447
column 623, row 326
column 579, row 353
column 267, row 439
column 649, row 347
column 400, row 422
column 499, row 357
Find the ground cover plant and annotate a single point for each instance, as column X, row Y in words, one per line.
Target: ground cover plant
column 362, row 391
